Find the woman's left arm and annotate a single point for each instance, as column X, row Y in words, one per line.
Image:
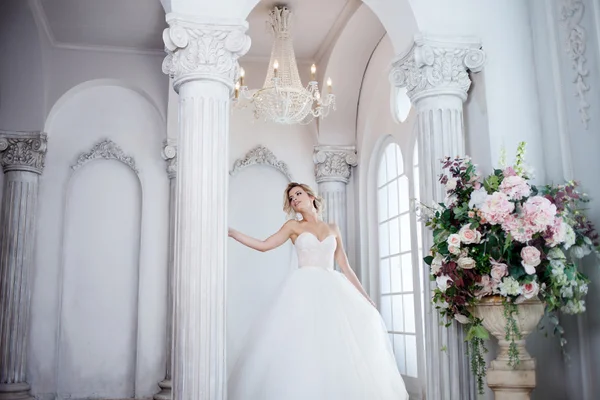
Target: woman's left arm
column 342, row 260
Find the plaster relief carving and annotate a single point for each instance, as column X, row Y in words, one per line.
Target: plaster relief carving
column 23, row 151
column 571, row 12
column 203, row 51
column 108, row 150
column 437, row 66
column 334, row 163
column 261, row 155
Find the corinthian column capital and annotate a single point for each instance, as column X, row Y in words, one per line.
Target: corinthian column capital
column 203, row 50
column 435, row 66
column 23, row 151
column 334, row 163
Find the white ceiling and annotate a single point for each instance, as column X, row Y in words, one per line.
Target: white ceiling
column 133, row 24
column 138, row 24
column 315, row 25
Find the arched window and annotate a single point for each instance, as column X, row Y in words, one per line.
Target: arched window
column 398, row 277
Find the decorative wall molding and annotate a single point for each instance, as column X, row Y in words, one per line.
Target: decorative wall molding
column 435, row 66
column 23, row 151
column 571, row 13
column 203, row 51
column 169, row 154
column 262, row 156
column 108, row 150
column 334, row 163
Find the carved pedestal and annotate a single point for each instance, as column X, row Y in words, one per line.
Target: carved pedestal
column 22, row 160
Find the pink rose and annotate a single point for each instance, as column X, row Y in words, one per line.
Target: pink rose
column 453, row 240
column 530, row 289
column 466, row 263
column 468, row 235
column 454, row 250
column 486, row 287
column 496, row 208
column 515, row 187
column 499, row 271
column 531, row 259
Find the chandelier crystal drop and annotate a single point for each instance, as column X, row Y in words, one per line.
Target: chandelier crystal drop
column 283, row 99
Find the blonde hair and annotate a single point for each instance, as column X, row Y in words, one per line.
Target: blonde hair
column 317, row 200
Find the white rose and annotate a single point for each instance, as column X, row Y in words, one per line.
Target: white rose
column 450, row 200
column 468, row 235
column 454, row 250
column 453, row 240
column 477, row 198
column 530, row 290
column 461, row 318
column 436, row 264
column 451, row 184
column 531, row 259
column 443, row 281
column 499, row 271
column 466, row 263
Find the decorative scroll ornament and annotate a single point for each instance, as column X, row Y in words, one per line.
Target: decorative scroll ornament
column 571, row 15
column 23, row 151
column 203, row 51
column 433, row 67
column 169, row 154
column 261, row 155
column 108, row 150
column 334, row 163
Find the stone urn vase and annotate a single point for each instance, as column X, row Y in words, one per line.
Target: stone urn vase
column 506, row 382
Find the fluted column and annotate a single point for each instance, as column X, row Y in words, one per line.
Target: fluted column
column 333, row 165
column 202, row 60
column 435, row 73
column 170, row 155
column 22, row 160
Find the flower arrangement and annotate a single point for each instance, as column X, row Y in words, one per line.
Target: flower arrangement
column 501, row 235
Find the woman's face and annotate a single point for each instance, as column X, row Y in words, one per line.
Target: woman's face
column 299, row 199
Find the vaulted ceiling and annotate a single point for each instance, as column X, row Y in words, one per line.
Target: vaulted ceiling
column 138, row 25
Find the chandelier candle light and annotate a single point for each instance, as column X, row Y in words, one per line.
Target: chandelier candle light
column 283, row 99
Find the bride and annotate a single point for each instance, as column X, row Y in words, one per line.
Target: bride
column 322, row 338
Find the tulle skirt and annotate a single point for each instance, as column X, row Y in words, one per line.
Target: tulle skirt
column 320, row 340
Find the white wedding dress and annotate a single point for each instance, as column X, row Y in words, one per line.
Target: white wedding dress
column 320, row 340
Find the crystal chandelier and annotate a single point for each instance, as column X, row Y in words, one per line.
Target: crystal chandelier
column 283, row 99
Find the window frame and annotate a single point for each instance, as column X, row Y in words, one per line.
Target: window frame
column 415, row 385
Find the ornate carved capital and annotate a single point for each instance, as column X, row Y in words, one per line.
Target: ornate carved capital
column 334, row 163
column 23, row 151
column 169, row 154
column 198, row 50
column 437, row 66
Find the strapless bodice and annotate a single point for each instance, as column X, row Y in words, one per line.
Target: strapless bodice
column 315, row 253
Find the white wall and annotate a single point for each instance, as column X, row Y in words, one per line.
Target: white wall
column 572, row 154
column 99, row 285
column 375, row 122
column 254, row 278
column 21, row 75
